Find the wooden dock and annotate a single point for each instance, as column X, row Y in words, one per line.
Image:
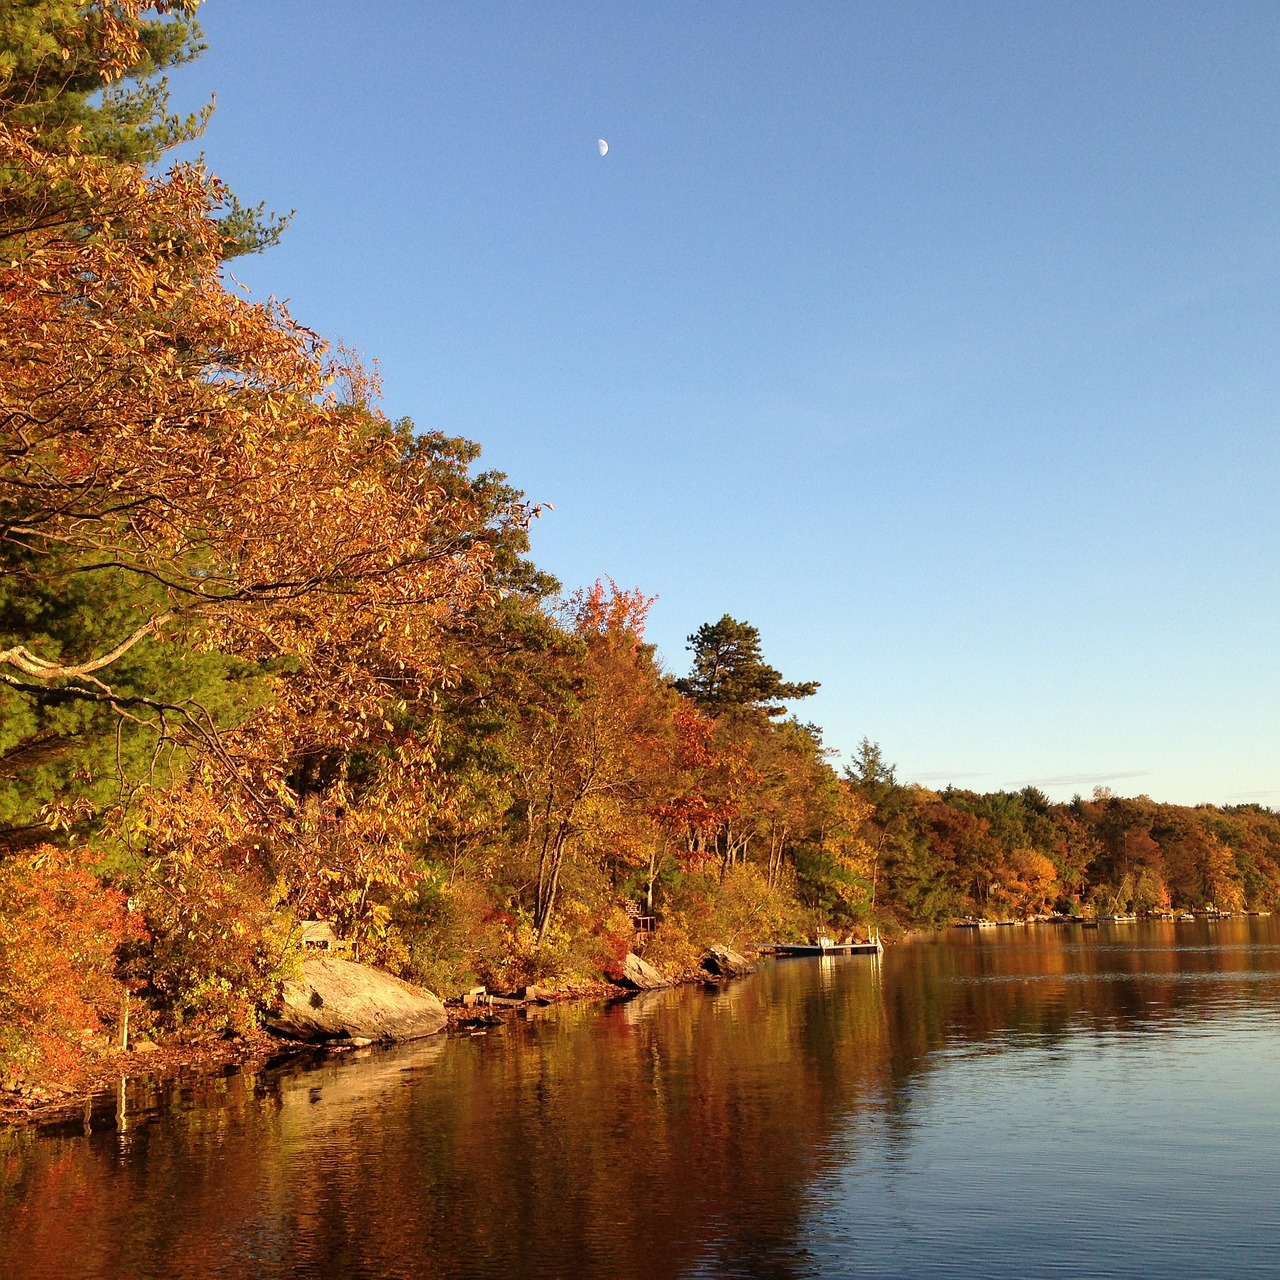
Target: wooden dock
column 873, row 948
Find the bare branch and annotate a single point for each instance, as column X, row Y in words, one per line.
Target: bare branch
column 40, row 669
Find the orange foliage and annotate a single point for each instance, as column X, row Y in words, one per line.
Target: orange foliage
column 158, row 424
column 608, row 610
column 159, row 428
column 60, row 930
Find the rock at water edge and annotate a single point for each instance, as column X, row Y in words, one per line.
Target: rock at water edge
column 640, row 975
column 723, row 962
column 339, row 999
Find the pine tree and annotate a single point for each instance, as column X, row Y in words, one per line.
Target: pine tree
column 729, row 671
column 90, row 79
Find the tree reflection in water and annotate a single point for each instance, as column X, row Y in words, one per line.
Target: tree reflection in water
column 680, row 1133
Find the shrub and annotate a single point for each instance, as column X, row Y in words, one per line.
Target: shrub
column 451, row 934
column 222, row 942
column 60, row 932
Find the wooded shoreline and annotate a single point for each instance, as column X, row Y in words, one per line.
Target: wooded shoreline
column 269, row 657
column 70, row 1102
column 92, row 1091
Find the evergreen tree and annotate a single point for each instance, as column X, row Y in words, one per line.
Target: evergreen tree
column 89, row 78
column 730, row 673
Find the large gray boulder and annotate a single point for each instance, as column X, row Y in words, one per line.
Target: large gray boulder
column 640, row 975
column 339, row 999
column 723, row 962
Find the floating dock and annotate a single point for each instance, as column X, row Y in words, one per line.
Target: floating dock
column 873, row 948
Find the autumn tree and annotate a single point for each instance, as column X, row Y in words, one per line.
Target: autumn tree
column 59, row 932
column 689, row 809
column 584, row 766
column 189, row 449
column 82, row 105
column 88, row 79
column 836, row 864
column 225, row 575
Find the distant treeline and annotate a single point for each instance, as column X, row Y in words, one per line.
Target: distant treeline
column 1015, row 854
column 266, row 655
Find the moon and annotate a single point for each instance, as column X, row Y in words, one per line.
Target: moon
column 603, row 145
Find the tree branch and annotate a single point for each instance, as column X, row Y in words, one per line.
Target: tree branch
column 40, row 669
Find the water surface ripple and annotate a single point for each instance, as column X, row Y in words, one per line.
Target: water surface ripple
column 1025, row 1102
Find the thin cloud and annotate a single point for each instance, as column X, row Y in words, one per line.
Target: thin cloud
column 1087, row 779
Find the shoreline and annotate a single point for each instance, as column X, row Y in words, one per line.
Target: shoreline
column 59, row 1101
column 56, row 1102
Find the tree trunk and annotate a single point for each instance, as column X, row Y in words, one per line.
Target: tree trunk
column 549, row 881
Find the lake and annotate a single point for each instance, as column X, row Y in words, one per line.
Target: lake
column 1029, row 1101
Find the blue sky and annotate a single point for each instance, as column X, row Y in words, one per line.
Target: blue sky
column 936, row 340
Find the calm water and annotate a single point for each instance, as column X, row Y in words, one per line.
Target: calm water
column 1021, row 1102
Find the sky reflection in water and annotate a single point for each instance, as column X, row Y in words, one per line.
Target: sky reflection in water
column 1024, row 1103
